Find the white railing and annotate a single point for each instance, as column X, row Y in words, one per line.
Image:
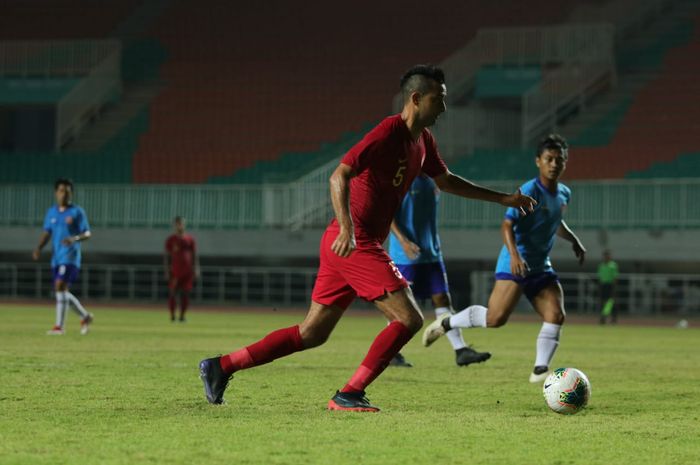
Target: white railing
column 628, row 16
column 562, row 90
column 636, row 293
column 619, row 204
column 54, row 58
column 146, row 283
column 102, row 83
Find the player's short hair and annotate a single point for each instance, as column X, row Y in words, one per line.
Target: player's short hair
column 64, row 182
column 553, row 142
column 417, row 79
column 178, row 219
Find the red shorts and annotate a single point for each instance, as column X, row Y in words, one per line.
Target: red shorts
column 184, row 282
column 368, row 273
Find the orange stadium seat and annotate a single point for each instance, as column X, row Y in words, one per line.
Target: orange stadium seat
column 237, row 92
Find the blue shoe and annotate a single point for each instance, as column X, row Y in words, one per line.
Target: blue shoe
column 214, row 379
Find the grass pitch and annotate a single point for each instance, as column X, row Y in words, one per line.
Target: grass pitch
column 129, row 393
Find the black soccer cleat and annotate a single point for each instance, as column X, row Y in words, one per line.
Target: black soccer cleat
column 400, row 361
column 351, row 402
column 466, row 356
column 214, row 379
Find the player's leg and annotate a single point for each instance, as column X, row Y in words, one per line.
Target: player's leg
column 86, row 318
column 504, row 297
column 61, row 301
column 312, row 332
column 401, row 309
column 172, row 294
column 464, row 355
column 549, row 303
column 184, row 304
column 186, row 285
column 413, row 273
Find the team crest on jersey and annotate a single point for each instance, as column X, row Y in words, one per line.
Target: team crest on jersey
column 69, row 220
column 53, row 220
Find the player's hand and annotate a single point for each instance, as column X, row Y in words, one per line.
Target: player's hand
column 518, row 266
column 580, row 252
column 36, row 253
column 344, row 244
column 68, row 240
column 522, row 202
column 197, row 273
column 411, row 249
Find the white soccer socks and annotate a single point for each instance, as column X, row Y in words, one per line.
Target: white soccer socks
column 453, row 335
column 473, row 316
column 61, row 305
column 79, row 309
column 547, row 343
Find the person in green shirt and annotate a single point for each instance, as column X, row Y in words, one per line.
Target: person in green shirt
column 607, row 279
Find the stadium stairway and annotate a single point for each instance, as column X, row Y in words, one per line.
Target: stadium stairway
column 634, row 123
column 660, row 125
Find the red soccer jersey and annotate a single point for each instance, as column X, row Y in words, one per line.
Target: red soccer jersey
column 181, row 250
column 386, row 161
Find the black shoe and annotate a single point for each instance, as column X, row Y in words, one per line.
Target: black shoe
column 400, row 361
column 182, row 319
column 351, row 401
column 214, row 379
column 467, row 356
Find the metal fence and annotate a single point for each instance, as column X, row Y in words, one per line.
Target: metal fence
column 282, row 286
column 619, row 204
column 636, row 294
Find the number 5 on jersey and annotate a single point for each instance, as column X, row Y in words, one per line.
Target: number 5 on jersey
column 398, row 177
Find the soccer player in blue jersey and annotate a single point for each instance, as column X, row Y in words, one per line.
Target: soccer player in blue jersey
column 524, row 266
column 414, row 246
column 67, row 226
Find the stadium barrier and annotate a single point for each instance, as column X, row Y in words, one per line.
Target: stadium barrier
column 655, row 204
column 638, row 294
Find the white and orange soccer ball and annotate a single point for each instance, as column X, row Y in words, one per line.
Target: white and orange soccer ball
column 566, row 390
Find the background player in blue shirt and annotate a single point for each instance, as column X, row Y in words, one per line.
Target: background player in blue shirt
column 524, row 265
column 414, row 246
column 67, row 226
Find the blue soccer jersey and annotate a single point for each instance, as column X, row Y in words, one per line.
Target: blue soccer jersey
column 417, row 219
column 62, row 224
column 535, row 232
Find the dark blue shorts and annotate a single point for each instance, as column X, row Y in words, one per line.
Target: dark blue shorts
column 426, row 279
column 532, row 284
column 66, row 273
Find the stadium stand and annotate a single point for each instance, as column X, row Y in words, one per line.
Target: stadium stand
column 226, row 119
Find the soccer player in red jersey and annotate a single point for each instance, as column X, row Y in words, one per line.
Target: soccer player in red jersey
column 181, row 267
column 366, row 189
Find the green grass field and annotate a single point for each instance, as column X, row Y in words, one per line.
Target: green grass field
column 129, row 393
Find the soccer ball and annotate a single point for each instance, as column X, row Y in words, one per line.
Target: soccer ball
column 566, row 390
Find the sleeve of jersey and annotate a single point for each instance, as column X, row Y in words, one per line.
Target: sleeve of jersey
column 360, row 156
column 83, row 224
column 47, row 221
column 433, row 165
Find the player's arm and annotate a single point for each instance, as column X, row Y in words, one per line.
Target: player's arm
column 567, row 234
column 344, row 244
column 43, row 240
column 518, row 266
column 457, row 185
column 83, row 236
column 409, row 247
